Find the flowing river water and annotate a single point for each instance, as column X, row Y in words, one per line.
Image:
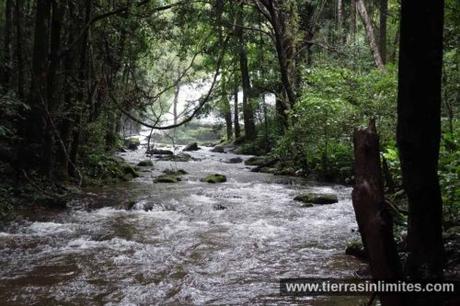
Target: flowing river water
column 177, row 245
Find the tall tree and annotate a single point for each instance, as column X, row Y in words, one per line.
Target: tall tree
column 18, row 13
column 37, row 116
column 418, row 134
column 248, row 113
column 370, row 34
column 383, row 29
column 6, row 65
column 236, row 113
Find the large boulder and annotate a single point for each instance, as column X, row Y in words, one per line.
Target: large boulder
column 355, row 248
column 132, row 143
column 159, row 152
column 145, row 163
column 261, row 161
column 175, row 172
column 317, row 198
column 218, row 149
column 165, row 178
column 214, row 178
column 181, row 157
column 234, row 160
column 191, row 147
column 129, row 172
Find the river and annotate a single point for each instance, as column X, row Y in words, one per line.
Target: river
column 178, row 246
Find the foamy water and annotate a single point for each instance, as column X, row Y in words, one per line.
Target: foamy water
column 174, row 247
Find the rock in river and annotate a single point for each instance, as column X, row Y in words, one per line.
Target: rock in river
column 145, row 163
column 234, row 160
column 165, row 178
column 317, row 198
column 214, row 178
column 132, row 143
column 159, row 152
column 218, row 149
column 181, row 157
column 175, row 172
column 355, row 248
column 191, row 147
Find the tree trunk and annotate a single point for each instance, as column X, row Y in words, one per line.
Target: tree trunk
column 282, row 48
column 383, row 29
column 19, row 47
column 373, row 218
column 419, row 133
column 37, row 117
column 370, row 34
column 340, row 19
column 175, row 102
column 248, row 113
column 353, row 20
column 6, row 65
column 236, row 120
column 228, row 118
column 82, row 77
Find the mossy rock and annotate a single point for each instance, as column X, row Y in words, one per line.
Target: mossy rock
column 218, row 149
column 234, row 160
column 175, row 172
column 130, row 171
column 165, row 178
column 159, row 152
column 191, row 147
column 261, row 161
column 145, row 163
column 355, row 248
column 317, row 198
column 181, row 157
column 132, row 143
column 214, row 178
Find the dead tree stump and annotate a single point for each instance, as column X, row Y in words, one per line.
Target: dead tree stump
column 374, row 220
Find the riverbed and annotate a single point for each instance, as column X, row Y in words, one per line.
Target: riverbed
column 188, row 243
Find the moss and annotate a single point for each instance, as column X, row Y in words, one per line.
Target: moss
column 165, row 178
column 214, row 178
column 317, row 198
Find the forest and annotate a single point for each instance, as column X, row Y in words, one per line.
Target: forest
column 202, row 152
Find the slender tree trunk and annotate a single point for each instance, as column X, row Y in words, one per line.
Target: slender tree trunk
column 6, row 61
column 175, row 102
column 340, row 19
column 52, row 96
column 248, row 112
column 228, row 118
column 281, row 51
column 19, row 47
column 395, row 47
column 419, row 133
column 40, row 70
column 383, row 29
column 353, row 20
column 82, row 76
column 236, row 120
column 370, row 34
